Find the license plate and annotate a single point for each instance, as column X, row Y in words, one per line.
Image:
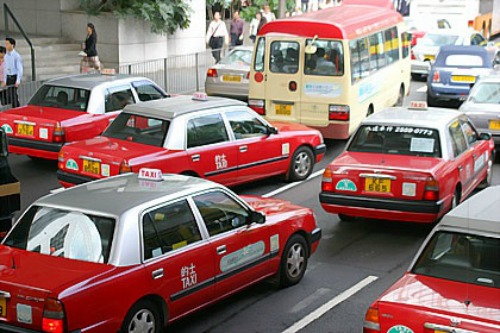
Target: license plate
column 93, row 167
column 231, row 78
column 283, row 109
column 463, row 78
column 495, row 124
column 439, row 331
column 430, row 57
column 378, row 185
column 25, row 129
column 3, row 307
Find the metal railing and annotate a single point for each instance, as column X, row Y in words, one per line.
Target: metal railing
column 7, row 12
column 23, row 93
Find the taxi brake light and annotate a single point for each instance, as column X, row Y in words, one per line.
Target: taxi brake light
column 58, row 134
column 124, row 167
column 372, row 322
column 53, row 316
column 431, row 190
column 212, row 72
column 327, row 181
column 435, row 77
column 258, row 106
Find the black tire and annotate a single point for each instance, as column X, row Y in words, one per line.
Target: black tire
column 489, row 175
column 346, row 218
column 455, row 200
column 401, row 97
column 301, row 164
column 431, row 101
column 293, row 261
column 143, row 317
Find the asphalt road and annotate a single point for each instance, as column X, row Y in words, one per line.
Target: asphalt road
column 354, row 263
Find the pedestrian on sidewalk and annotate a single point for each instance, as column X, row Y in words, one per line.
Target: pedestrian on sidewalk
column 217, row 36
column 90, row 60
column 3, row 96
column 256, row 24
column 237, row 25
column 13, row 72
column 268, row 14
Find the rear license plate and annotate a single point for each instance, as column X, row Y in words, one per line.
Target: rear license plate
column 231, row 78
column 494, row 125
column 283, row 109
column 3, row 307
column 463, row 78
column 378, row 185
column 93, row 167
column 430, row 57
column 25, row 129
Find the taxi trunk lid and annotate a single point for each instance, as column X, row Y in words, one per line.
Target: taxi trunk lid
column 27, row 279
column 383, row 175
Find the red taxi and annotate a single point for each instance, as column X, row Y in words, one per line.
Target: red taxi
column 166, row 246
column 216, row 138
column 453, row 284
column 409, row 165
column 72, row 108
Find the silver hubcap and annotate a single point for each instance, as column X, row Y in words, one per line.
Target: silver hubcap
column 143, row 322
column 295, row 260
column 489, row 174
column 302, row 164
column 454, row 201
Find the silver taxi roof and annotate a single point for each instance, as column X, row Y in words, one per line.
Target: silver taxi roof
column 172, row 107
column 437, row 118
column 89, row 81
column 478, row 214
column 116, row 195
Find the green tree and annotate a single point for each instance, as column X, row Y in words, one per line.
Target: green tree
column 163, row 15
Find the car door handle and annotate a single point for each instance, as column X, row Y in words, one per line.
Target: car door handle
column 195, row 158
column 4, row 294
column 243, row 149
column 474, row 155
column 157, row 274
column 221, row 249
column 460, row 168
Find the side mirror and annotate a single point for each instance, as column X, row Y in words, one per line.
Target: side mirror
column 256, row 217
column 4, row 150
column 484, row 136
column 271, row 130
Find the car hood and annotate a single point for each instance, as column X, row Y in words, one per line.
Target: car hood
column 43, row 112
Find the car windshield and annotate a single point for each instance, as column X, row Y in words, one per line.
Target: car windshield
column 63, row 233
column 398, row 140
column 438, row 39
column 61, row 97
column 139, row 129
column 238, row 57
column 486, row 92
column 461, row 257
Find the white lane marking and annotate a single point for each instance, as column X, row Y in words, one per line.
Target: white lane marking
column 289, row 186
column 422, row 89
column 310, row 300
column 330, row 305
column 57, row 190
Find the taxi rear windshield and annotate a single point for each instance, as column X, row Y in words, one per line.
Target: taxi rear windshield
column 61, row 97
column 63, row 233
column 397, row 140
column 461, row 257
column 139, row 129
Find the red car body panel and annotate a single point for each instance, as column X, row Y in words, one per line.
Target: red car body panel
column 415, row 300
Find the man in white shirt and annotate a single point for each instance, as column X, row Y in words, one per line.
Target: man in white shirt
column 13, row 71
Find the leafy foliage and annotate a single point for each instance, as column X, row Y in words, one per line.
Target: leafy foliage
column 163, row 15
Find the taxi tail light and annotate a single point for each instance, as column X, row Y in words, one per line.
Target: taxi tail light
column 372, row 322
column 258, row 105
column 327, row 181
column 60, row 156
column 431, row 190
column 53, row 320
column 338, row 112
column 125, row 168
column 212, row 72
column 58, row 134
column 435, row 77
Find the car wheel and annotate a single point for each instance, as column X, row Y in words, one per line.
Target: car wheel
column 346, row 218
column 293, row 261
column 401, row 97
column 489, row 175
column 143, row 317
column 455, row 200
column 301, row 164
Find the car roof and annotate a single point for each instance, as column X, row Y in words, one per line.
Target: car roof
column 124, row 192
column 479, row 213
column 429, row 117
column 89, row 81
column 172, row 107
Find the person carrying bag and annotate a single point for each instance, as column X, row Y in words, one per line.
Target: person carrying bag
column 217, row 36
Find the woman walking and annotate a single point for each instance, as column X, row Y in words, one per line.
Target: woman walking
column 90, row 60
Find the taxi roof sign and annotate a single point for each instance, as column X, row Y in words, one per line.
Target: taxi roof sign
column 150, row 174
column 418, row 105
column 200, row 96
column 108, row 71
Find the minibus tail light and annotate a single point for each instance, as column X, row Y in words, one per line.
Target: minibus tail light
column 212, row 72
column 53, row 316
column 372, row 322
column 258, row 105
column 338, row 112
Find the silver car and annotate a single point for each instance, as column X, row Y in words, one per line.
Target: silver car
column 483, row 106
column 230, row 76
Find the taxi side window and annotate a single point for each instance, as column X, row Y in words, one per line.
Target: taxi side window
column 168, row 228
column 470, row 133
column 245, row 125
column 147, row 91
column 206, row 130
column 220, row 212
column 117, row 99
column 459, row 143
